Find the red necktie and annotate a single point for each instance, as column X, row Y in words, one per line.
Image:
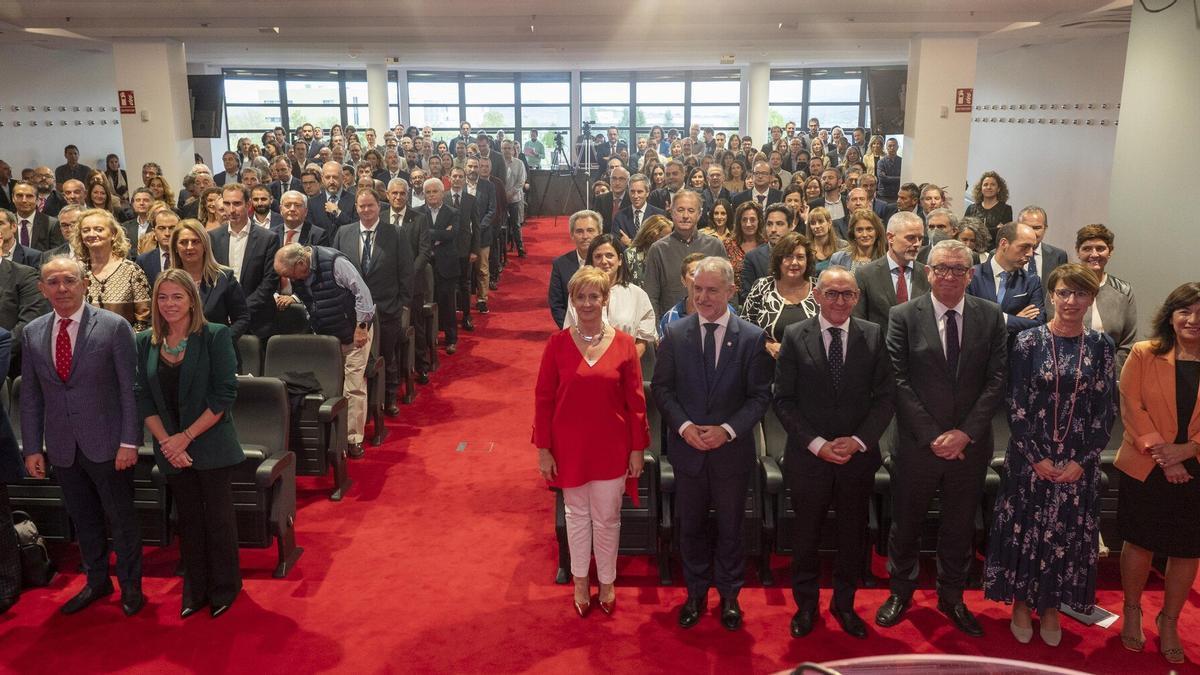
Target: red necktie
column 901, row 286
column 62, row 350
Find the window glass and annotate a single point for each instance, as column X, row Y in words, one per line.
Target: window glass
column 356, row 93
column 322, row 117
column 715, row 115
column 251, row 91
column 545, row 116
column 545, row 92
column 834, row 91
column 438, row 93
column 489, row 92
column 830, row 115
column 604, row 92
column 433, row 115
column 660, row 92
column 786, row 91
column 607, row 115
column 491, row 117
column 779, row 115
column 667, row 115
column 359, row 116
column 308, row 91
column 253, row 117
column 725, row 91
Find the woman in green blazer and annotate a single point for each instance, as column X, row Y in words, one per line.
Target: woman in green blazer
column 186, row 384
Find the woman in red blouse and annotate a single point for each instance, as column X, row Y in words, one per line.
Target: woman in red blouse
column 590, row 431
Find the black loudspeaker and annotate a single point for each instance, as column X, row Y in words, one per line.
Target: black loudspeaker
column 887, row 89
column 207, row 94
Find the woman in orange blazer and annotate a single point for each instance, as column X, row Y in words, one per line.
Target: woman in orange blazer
column 1159, row 495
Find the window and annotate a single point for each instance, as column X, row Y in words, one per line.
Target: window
column 837, row 97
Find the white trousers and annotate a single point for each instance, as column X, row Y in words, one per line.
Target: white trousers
column 594, row 521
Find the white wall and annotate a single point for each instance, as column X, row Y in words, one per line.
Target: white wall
column 161, row 131
column 33, row 76
column 1064, row 169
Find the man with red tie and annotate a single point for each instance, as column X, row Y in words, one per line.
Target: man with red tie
column 895, row 278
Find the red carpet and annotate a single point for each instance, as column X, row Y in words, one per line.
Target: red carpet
column 443, row 561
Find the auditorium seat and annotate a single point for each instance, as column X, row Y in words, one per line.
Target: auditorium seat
column 408, row 357
column 376, row 388
column 321, row 442
column 430, row 311
column 249, row 355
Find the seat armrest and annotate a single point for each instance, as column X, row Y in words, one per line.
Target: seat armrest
column 331, row 409
column 405, row 318
column 772, row 475
column 274, row 467
column 666, row 474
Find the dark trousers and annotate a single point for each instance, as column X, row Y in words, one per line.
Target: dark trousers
column 416, row 316
column 92, row 491
column 706, row 565
column 445, row 289
column 917, row 476
column 207, row 536
column 390, row 335
column 514, row 227
column 10, row 556
column 466, row 275
column 816, row 484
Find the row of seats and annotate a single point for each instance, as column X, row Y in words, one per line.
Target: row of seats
column 650, row 528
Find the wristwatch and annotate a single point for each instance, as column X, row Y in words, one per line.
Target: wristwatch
column 362, row 325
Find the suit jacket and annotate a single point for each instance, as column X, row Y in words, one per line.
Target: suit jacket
column 738, row 394
column 624, row 221
column 61, row 249
column 1118, row 315
column 604, row 206
column 327, row 221
column 861, row 406
column 273, row 220
column 929, row 399
column 6, row 194
column 54, row 203
column 1148, row 409
column 257, row 278
column 44, row 232
column 277, row 189
column 1024, row 289
column 1053, row 256
column 877, row 294
column 131, row 235
column 390, row 274
column 661, row 198
column 225, row 303
column 442, row 235
column 224, row 177
column 94, row 409
column 207, row 381
column 20, row 300
column 151, row 264
column 310, row 235
column 384, row 176
column 466, row 239
column 756, row 265
column 710, row 200
column 488, row 212
column 26, row 255
column 10, row 451
column 884, row 210
column 773, row 196
column 561, row 270
column 415, row 229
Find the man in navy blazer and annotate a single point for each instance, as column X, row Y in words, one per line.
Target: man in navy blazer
column 630, row 218
column 154, row 261
column 443, row 224
column 584, row 227
column 778, row 221
column 257, row 273
column 712, row 382
column 1004, row 280
column 77, row 374
column 333, row 207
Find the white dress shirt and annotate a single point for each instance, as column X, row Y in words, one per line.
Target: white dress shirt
column 815, row 445
column 237, row 249
column 72, row 328
column 908, row 272
column 718, row 337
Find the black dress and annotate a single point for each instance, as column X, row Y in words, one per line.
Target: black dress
column 1158, row 515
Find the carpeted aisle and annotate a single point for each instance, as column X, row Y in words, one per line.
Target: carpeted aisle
column 441, row 559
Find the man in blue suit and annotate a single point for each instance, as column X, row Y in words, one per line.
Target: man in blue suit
column 629, row 219
column 77, row 373
column 584, row 226
column 712, row 382
column 154, row 261
column 333, row 207
column 1004, row 280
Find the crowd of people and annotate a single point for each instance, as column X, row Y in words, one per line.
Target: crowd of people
column 873, row 319
column 123, row 308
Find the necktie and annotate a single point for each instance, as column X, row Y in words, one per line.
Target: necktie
column 1003, row 290
column 616, row 207
column 62, row 350
column 1033, row 263
column 901, row 286
column 762, row 199
column 166, row 261
column 952, row 346
column 456, row 200
column 710, row 350
column 637, row 220
column 836, row 359
column 287, row 238
column 24, row 231
column 366, row 249
column 41, row 204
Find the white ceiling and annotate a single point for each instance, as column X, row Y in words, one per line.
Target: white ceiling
column 568, row 34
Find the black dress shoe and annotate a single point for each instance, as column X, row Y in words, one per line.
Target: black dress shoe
column 731, row 614
column 961, row 617
column 218, row 610
column 520, row 253
column 802, row 622
column 451, row 348
column 86, row 597
column 481, row 306
column 693, row 608
column 7, row 603
column 189, row 610
column 423, row 377
column 392, row 409
column 493, row 285
column 850, row 622
column 468, row 324
column 355, row 450
column 132, row 600
column 891, row 611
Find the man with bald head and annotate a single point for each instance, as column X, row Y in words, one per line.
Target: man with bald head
column 833, row 440
column 49, row 200
column 333, row 207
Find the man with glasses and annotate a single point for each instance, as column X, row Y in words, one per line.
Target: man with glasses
column 947, row 391
column 48, row 199
column 895, row 278
column 762, row 192
column 1005, row 280
column 833, row 441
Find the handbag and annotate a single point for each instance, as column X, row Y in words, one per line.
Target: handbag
column 37, row 569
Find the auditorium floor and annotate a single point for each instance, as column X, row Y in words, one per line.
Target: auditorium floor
column 441, row 559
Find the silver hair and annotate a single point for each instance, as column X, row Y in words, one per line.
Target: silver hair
column 685, row 192
column 615, row 169
column 949, row 247
column 290, row 255
column 301, row 195
column 639, row 178
column 71, row 208
column 902, row 219
column 836, row 269
column 397, row 181
column 585, row 213
column 943, row 211
column 8, row 216
column 65, row 259
column 717, row 264
column 431, row 181
column 1033, row 208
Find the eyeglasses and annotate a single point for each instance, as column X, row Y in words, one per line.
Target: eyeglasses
column 762, row 173
column 834, row 296
column 794, row 258
column 945, row 271
column 1065, row 294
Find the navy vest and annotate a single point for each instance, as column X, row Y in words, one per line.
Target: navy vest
column 330, row 307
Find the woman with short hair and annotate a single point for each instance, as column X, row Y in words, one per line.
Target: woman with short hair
column 628, row 309
column 115, row 282
column 1115, row 311
column 784, row 296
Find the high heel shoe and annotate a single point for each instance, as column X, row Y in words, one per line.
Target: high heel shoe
column 1023, row 635
column 1133, row 644
column 1050, row 637
column 1171, row 654
column 582, row 608
column 607, row 606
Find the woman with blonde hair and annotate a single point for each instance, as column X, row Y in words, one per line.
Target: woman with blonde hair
column 115, row 282
column 222, row 298
column 874, row 153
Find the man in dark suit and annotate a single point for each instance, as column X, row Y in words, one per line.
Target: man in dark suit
column 384, row 260
column 833, row 440
column 584, row 227
column 609, row 204
column 334, row 206
column 137, row 226
column 488, row 152
column 778, row 221
column 1004, row 279
column 232, row 167
column 282, row 180
column 471, row 209
column 261, row 208
column 308, row 135
column 293, row 227
column 20, row 303
column 444, row 225
column 10, row 472
column 1045, row 257
column 157, row 259
column 762, row 192
column 673, row 173
column 391, row 168
column 883, row 209
column 895, row 278
column 413, row 227
column 35, row 230
column 84, row 410
column 714, row 191
column 10, row 247
column 834, row 200
column 712, row 382
column 630, row 218
column 68, row 218
column 950, row 359
column 256, row 271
